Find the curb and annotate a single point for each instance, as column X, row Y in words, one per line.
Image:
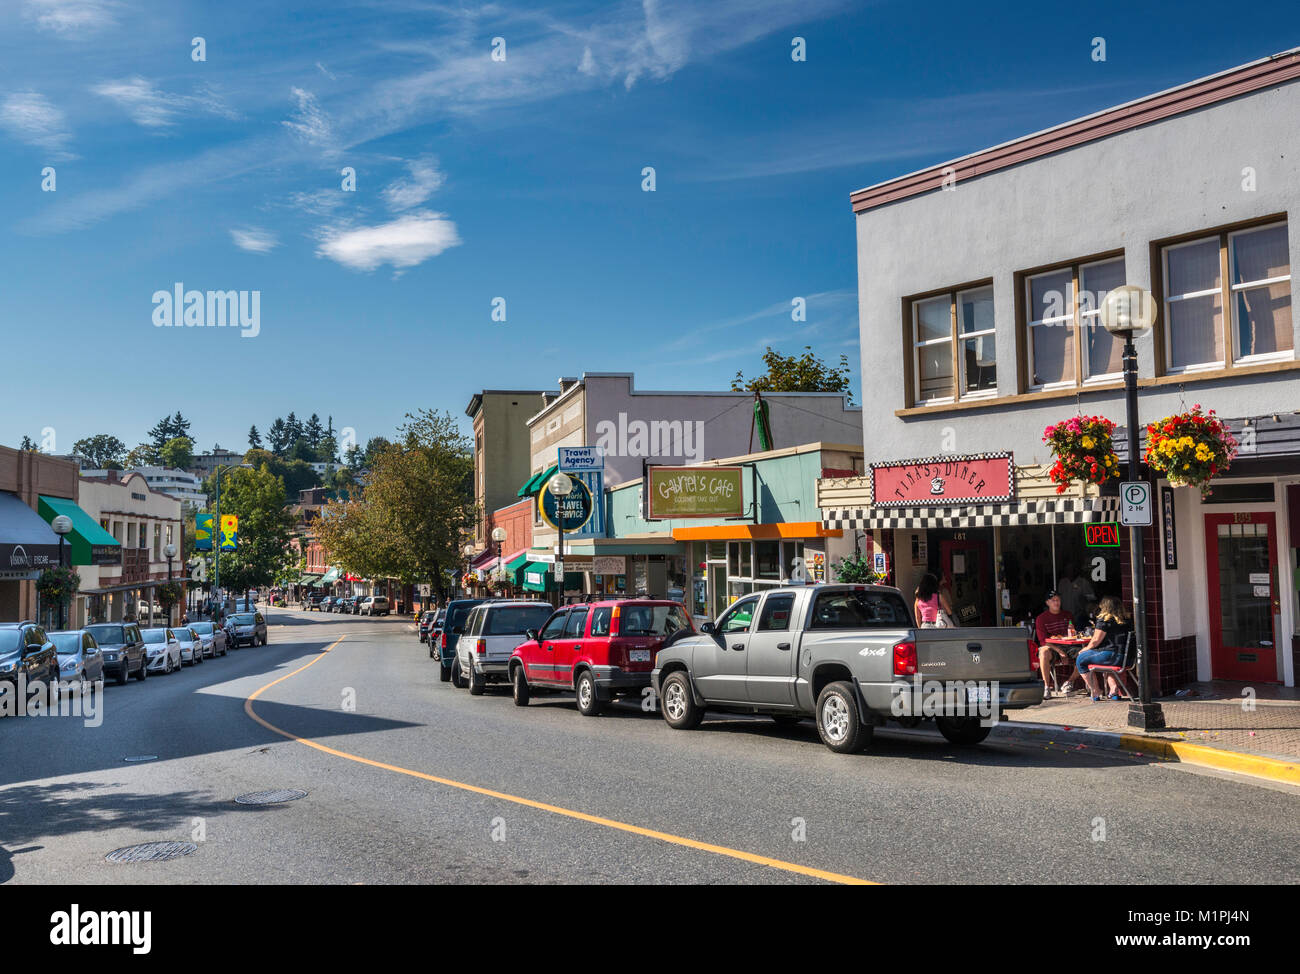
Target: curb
column 1253, row 765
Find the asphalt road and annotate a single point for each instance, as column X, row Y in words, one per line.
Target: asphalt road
column 422, row 783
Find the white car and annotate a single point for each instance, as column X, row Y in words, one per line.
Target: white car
column 191, row 645
column 488, row 639
column 373, row 605
column 163, row 649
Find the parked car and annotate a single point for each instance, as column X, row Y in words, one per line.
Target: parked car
column 25, row 648
column 425, row 624
column 213, row 637
column 315, row 600
column 246, row 628
column 374, row 605
column 492, row 630
column 80, row 658
column 599, row 650
column 344, row 605
column 435, row 632
column 191, row 645
column 457, row 612
column 352, row 605
column 123, row 649
column 842, row 654
column 164, row 649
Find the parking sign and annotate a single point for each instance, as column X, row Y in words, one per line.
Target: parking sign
column 1135, row 504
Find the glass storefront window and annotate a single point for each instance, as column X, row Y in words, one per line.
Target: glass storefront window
column 736, row 589
column 746, row 560
column 717, row 551
column 793, row 550
column 767, row 559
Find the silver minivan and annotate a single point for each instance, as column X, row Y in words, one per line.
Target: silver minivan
column 489, row 638
column 373, row 605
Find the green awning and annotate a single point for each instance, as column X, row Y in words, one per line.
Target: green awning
column 535, row 483
column 90, row 543
column 330, row 577
column 517, row 563
column 308, row 579
column 547, row 582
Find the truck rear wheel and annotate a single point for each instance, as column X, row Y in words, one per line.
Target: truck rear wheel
column 477, row 681
column 965, row 731
column 681, row 712
column 520, row 683
column 838, row 722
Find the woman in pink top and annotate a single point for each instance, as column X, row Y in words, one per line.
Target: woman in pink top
column 929, row 602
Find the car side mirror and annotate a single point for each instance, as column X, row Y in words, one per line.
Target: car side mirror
column 708, row 628
column 531, row 634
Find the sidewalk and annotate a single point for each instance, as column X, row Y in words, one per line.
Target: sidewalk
column 1209, row 726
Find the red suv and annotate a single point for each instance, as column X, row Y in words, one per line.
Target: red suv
column 599, row 650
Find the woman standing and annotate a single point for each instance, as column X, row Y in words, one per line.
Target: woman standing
column 929, row 603
column 1107, row 646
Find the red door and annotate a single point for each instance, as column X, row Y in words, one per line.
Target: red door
column 963, row 579
column 1241, row 572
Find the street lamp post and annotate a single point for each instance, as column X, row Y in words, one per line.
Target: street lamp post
column 62, row 525
column 561, row 486
column 498, row 535
column 468, row 551
column 170, row 551
column 1127, row 310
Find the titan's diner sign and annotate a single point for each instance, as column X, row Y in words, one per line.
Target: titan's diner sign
column 981, row 478
column 674, row 492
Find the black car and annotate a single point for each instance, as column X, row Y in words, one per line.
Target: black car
column 123, row 648
column 445, row 645
column 25, row 649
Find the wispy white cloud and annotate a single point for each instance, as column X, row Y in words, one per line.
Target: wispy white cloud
column 424, row 181
column 152, row 108
column 309, row 122
column 254, row 239
column 319, row 203
column 30, row 117
column 71, row 17
column 405, row 242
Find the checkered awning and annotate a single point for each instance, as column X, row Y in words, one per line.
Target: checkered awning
column 1054, row 510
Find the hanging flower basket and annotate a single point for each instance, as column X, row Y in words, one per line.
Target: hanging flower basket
column 1190, row 449
column 58, row 585
column 1083, row 450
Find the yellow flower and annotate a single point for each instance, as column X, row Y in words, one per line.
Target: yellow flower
column 1088, row 442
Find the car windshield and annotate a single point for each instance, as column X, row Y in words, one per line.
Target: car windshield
column 9, row 640
column 512, row 620
column 202, row 628
column 651, row 620
column 155, row 635
column 107, row 635
column 860, row 610
column 243, row 619
column 66, row 642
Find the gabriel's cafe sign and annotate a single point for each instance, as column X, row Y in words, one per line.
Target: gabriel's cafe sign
column 675, row 492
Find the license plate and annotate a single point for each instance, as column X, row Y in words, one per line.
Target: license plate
column 638, row 656
column 977, row 694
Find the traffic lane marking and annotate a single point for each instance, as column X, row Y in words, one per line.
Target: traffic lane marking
column 791, row 867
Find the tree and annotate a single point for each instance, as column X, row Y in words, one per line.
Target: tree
column 302, row 450
column 313, row 430
column 803, row 373
column 277, row 437
column 292, row 429
column 144, row 455
column 327, row 451
column 28, row 444
column 168, row 428
column 418, row 503
column 254, row 438
column 296, row 474
column 257, row 497
column 374, row 446
column 178, row 453
column 102, row 451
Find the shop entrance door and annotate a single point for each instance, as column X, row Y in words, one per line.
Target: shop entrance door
column 963, row 564
column 1241, row 562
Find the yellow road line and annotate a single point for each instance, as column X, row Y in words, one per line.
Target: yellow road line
column 720, row 850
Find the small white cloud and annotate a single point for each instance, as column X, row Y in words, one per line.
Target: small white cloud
column 402, row 194
column 309, row 121
column 254, row 239
column 588, row 63
column 71, row 16
column 326, row 71
column 321, row 203
column 405, row 242
column 30, row 117
column 152, row 108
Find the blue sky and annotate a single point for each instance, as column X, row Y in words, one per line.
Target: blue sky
column 479, row 179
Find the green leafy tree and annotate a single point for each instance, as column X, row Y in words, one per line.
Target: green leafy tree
column 102, row 451
column 257, row 497
column 178, row 453
column 169, row 428
column 802, row 373
column 296, row 474
column 303, row 450
column 144, row 455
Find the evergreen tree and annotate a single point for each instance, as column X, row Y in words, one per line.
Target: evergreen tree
column 254, row 438
column 313, row 431
column 278, row 437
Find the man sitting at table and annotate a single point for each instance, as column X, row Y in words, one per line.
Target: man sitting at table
column 1052, row 622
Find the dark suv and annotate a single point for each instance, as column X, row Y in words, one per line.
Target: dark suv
column 452, row 624
column 123, row 649
column 25, row 649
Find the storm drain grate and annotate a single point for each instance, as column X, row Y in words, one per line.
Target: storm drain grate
column 271, row 797
column 141, row 757
column 152, row 852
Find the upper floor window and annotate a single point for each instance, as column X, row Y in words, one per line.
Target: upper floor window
column 1247, row 271
column 953, row 351
column 1067, row 345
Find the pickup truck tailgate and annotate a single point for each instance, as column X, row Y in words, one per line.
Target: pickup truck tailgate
column 983, row 653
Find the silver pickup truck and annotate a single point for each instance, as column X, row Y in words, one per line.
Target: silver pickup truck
column 850, row 656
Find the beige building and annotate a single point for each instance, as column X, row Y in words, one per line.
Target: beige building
column 501, row 449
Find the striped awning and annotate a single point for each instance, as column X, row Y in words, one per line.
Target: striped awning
column 1024, row 513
